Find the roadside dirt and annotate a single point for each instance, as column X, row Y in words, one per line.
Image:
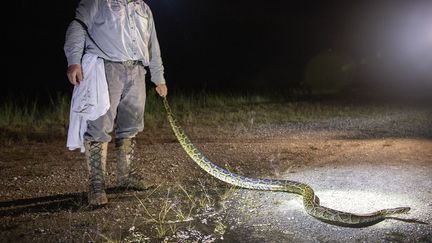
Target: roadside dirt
column 357, row 165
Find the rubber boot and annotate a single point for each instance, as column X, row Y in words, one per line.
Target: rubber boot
column 96, row 154
column 128, row 176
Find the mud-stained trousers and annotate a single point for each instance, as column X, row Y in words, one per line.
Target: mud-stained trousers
column 127, row 93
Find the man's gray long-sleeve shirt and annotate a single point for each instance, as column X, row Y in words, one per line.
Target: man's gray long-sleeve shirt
column 123, row 30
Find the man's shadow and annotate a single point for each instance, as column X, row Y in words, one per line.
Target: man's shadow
column 50, row 204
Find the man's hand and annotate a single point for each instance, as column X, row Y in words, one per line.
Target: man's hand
column 75, row 74
column 162, row 90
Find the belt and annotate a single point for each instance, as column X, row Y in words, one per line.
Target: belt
column 128, row 63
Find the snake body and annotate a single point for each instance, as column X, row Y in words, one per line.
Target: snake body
column 311, row 202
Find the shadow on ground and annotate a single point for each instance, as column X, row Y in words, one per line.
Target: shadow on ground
column 56, row 203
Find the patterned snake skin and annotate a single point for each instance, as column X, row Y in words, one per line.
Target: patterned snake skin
column 310, row 201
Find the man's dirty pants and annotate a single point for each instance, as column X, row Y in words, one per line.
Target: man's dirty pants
column 127, row 93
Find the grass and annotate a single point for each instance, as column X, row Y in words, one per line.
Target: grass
column 22, row 115
column 178, row 211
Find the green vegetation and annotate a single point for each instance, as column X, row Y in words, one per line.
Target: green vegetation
column 176, row 213
column 214, row 110
column 22, row 115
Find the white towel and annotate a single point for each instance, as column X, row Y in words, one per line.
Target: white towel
column 90, row 100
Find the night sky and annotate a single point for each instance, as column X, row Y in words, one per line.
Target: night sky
column 235, row 45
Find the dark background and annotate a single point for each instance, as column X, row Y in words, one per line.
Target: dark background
column 243, row 45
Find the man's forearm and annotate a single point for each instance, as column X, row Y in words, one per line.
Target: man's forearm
column 156, row 68
column 155, row 65
column 74, row 43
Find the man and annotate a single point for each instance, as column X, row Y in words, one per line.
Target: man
column 122, row 33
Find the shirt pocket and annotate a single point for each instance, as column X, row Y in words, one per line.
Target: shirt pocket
column 140, row 10
column 116, row 7
column 142, row 16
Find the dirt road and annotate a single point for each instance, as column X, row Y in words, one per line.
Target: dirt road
column 358, row 165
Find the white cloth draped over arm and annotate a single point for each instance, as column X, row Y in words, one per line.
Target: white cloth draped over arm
column 90, row 100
